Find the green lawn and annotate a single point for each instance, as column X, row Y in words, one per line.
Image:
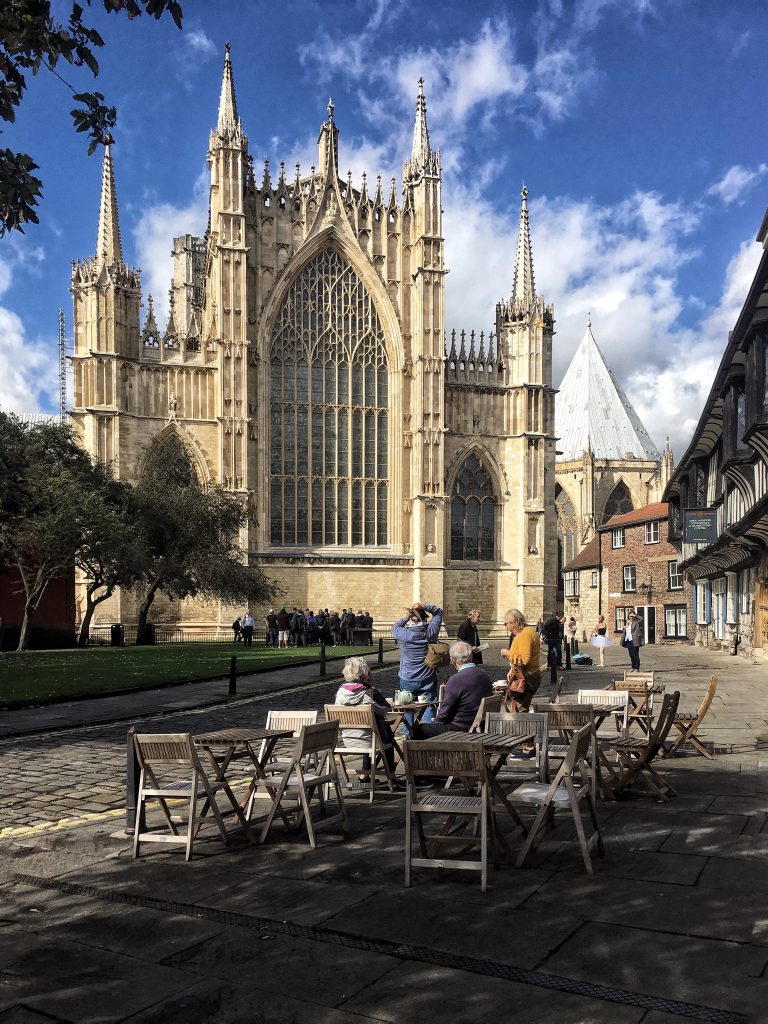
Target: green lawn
column 46, row 675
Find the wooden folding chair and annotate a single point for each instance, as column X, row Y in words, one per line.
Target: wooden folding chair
column 688, row 722
column 293, row 720
column 636, row 756
column 163, row 758
column 445, row 759
column 310, row 768
column 487, row 706
column 598, row 698
column 638, row 677
column 354, row 721
column 554, row 697
column 640, row 707
column 520, row 723
column 574, row 783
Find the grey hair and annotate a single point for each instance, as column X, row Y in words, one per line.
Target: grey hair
column 516, row 617
column 355, row 670
column 460, row 652
column 473, row 611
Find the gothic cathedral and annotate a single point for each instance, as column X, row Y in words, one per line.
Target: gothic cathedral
column 305, row 365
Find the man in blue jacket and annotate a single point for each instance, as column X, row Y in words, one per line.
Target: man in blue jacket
column 463, row 693
column 415, row 634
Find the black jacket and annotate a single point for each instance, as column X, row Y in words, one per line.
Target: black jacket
column 468, row 633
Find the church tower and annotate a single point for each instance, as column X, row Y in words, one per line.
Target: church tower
column 107, row 295
column 524, row 327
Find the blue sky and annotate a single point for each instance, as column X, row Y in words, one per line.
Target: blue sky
column 637, row 125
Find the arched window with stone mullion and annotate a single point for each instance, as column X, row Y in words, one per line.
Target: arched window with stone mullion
column 473, row 513
column 329, row 356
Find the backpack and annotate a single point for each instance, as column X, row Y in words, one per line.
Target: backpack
column 437, row 656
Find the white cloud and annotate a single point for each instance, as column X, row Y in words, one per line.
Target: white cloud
column 621, row 264
column 200, row 44
column 29, row 381
column 736, row 181
column 154, row 232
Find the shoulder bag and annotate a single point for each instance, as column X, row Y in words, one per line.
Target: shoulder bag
column 437, row 656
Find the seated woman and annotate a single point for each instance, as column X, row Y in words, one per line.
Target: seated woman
column 357, row 690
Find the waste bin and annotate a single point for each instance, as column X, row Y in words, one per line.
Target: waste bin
column 116, row 634
column 360, row 637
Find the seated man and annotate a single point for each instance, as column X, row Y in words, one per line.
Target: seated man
column 463, row 693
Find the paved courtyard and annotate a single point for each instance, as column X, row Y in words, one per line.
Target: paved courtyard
column 672, row 927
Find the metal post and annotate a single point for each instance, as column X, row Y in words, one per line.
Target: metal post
column 322, row 661
column 381, row 650
column 233, row 677
column 131, row 782
column 567, row 656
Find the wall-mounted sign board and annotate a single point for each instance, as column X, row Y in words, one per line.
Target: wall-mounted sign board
column 700, row 525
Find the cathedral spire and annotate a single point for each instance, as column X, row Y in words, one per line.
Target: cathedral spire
column 420, row 150
column 523, row 290
column 109, row 251
column 229, row 121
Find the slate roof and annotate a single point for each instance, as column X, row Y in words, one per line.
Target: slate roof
column 591, row 410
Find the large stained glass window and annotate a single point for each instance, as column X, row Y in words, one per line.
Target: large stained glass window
column 473, row 513
column 328, row 411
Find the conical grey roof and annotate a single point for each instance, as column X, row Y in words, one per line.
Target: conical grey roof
column 592, row 411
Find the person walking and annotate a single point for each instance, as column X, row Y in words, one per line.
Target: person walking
column 599, row 638
column 469, row 634
column 633, row 640
column 415, row 634
column 248, row 625
column 237, row 629
column 552, row 635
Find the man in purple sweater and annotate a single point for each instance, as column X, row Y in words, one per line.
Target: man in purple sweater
column 463, row 693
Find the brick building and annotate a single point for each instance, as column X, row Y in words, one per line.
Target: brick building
column 631, row 566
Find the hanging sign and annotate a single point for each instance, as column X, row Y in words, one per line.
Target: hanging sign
column 700, row 526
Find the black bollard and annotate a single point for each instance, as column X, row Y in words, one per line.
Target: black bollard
column 381, row 650
column 567, row 657
column 322, row 661
column 132, row 774
column 233, row 677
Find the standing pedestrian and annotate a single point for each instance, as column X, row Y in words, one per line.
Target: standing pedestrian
column 283, row 627
column 414, row 635
column 271, row 622
column 248, row 625
column 237, row 629
column 633, row 640
column 599, row 638
column 468, row 633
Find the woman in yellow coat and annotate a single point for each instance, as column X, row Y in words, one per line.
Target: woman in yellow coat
column 525, row 651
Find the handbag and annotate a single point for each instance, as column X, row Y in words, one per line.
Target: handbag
column 516, row 684
column 437, row 656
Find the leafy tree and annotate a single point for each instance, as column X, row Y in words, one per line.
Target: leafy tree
column 30, row 39
column 44, row 514
column 109, row 555
column 188, row 535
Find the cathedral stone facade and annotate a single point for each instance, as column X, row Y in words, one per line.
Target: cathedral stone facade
column 305, row 365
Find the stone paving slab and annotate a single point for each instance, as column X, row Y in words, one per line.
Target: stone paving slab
column 675, row 910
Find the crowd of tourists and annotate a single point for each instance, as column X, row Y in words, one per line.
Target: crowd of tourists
column 294, row 627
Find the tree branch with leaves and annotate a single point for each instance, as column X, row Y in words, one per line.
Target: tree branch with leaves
column 31, row 41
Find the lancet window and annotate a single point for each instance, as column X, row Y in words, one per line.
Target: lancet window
column 328, row 411
column 473, row 513
column 567, row 531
